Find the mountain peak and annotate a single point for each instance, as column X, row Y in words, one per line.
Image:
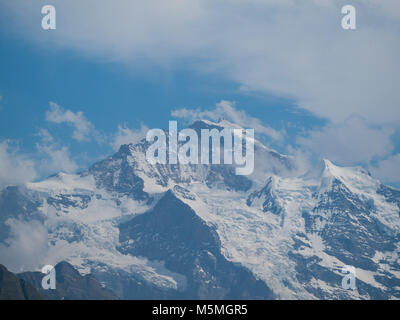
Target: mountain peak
column 330, row 169
column 323, row 168
column 326, row 173
column 13, row 288
column 327, row 163
column 124, row 150
column 207, row 124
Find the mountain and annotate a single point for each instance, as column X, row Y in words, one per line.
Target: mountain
column 14, row 288
column 173, row 233
column 337, row 216
column 200, row 231
column 70, row 285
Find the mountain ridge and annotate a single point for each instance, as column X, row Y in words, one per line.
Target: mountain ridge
column 293, row 232
column 70, row 285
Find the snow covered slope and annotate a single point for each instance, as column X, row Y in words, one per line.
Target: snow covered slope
column 173, row 231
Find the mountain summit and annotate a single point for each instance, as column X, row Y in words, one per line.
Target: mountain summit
column 200, row 231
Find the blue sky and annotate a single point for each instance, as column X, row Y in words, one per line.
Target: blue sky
column 109, row 95
column 131, row 73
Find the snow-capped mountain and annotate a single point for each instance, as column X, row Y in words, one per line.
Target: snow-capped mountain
column 200, row 231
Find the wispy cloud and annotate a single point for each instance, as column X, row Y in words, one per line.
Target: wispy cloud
column 226, row 110
column 84, row 130
column 54, row 158
column 26, row 247
column 294, row 48
column 126, row 135
column 15, row 168
column 354, row 140
column 388, row 170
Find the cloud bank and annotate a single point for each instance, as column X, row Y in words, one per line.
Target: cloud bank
column 15, row 168
column 388, row 170
column 26, row 247
column 351, row 141
column 227, row 110
column 293, row 48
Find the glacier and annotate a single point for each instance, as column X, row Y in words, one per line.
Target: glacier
column 199, row 231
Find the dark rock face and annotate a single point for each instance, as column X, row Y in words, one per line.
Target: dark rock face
column 390, row 194
column 116, row 174
column 70, row 285
column 173, row 233
column 14, row 288
column 225, row 175
column 61, row 201
column 351, row 234
column 269, row 201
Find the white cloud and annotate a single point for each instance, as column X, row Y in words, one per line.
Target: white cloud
column 54, row 158
column 388, row 170
column 226, row 110
column 126, row 136
column 351, row 141
column 295, row 48
column 84, row 130
column 26, row 248
column 15, row 169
